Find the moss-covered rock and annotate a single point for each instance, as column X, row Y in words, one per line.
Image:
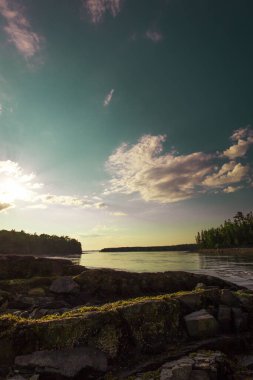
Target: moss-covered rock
column 153, row 324
column 108, row 284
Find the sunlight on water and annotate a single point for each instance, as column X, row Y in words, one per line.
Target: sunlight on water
column 234, row 268
column 142, row 261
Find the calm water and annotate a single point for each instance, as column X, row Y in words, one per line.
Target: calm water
column 235, row 268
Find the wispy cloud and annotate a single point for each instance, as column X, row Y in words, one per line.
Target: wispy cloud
column 118, row 213
column 108, row 98
column 18, row 29
column 16, row 185
column 97, row 8
column 154, row 35
column 169, row 177
column 70, row 200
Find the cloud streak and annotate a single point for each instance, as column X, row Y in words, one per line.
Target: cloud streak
column 97, row 8
column 19, row 30
column 169, row 177
column 108, row 98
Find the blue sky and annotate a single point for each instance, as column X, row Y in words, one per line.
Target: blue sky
column 125, row 122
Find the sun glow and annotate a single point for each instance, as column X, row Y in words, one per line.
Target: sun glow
column 12, row 189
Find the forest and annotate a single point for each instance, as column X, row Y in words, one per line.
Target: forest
column 22, row 243
column 234, row 233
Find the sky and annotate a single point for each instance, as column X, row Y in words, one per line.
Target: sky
column 125, row 122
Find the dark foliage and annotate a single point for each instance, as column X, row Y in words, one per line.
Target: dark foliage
column 233, row 233
column 14, row 242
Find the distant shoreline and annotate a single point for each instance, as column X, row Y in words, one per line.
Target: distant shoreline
column 168, row 248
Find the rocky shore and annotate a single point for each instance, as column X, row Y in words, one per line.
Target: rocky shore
column 64, row 321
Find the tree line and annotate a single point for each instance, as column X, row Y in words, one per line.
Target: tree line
column 20, row 242
column 234, row 233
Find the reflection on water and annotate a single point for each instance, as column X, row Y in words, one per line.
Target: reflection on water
column 232, row 267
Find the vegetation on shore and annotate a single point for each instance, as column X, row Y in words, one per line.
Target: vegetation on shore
column 232, row 234
column 15, row 242
column 178, row 247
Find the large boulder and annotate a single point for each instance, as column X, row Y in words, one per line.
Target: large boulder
column 109, row 285
column 28, row 266
column 64, row 285
column 67, row 363
column 200, row 324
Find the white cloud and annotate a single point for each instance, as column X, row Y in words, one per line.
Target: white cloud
column 168, row 177
column 154, row 35
column 108, row 98
column 231, row 172
column 231, row 189
column 18, row 29
column 243, row 138
column 97, row 8
column 163, row 178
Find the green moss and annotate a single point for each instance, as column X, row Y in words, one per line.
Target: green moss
column 128, row 302
column 244, row 293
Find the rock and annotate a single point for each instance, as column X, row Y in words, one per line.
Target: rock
column 16, row 377
column 182, row 361
column 108, row 284
column 38, row 313
column 40, row 292
column 246, row 361
column 28, row 266
column 34, row 377
column 148, row 331
column 224, row 317
column 228, row 298
column 192, row 301
column 166, row 374
column 246, row 299
column 64, row 285
column 74, row 270
column 201, row 324
column 240, row 319
column 67, row 363
column 200, row 285
column 199, row 374
column 177, row 369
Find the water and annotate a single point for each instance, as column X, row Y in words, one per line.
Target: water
column 232, row 267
